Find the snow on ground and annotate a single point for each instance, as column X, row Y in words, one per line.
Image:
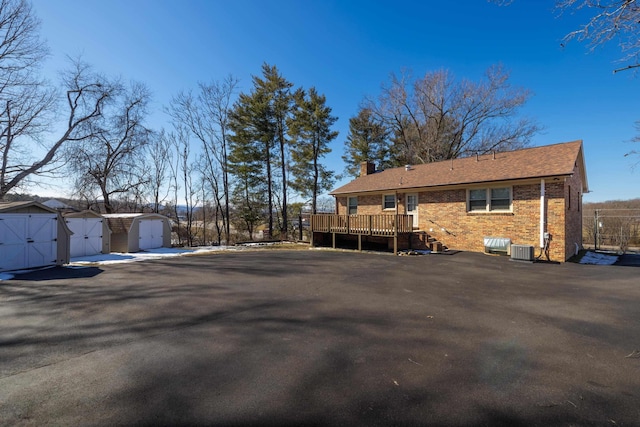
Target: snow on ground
column 598, row 258
column 116, row 257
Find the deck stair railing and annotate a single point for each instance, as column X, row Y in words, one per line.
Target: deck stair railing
column 372, row 225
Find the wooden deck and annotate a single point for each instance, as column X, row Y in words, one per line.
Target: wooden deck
column 390, row 226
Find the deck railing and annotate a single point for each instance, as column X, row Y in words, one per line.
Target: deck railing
column 372, row 225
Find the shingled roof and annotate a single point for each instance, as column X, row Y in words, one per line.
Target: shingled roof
column 537, row 162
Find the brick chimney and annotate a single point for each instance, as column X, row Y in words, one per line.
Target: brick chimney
column 367, row 168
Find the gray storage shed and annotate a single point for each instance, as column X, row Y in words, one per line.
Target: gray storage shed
column 133, row 232
column 32, row 235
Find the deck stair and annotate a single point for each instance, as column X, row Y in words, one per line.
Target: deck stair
column 422, row 240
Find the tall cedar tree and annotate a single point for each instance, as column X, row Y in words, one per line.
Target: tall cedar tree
column 367, row 141
column 259, row 125
column 310, row 131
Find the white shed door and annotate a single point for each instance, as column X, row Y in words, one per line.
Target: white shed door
column 87, row 236
column 150, row 233
column 27, row 240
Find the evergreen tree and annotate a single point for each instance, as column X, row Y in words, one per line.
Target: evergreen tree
column 367, row 141
column 251, row 145
column 280, row 102
column 258, row 122
column 310, row 131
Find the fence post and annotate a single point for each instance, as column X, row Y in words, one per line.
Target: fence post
column 300, row 226
column 595, row 234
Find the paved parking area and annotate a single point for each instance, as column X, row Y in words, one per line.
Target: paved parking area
column 322, row 338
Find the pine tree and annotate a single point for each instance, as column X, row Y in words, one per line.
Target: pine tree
column 367, row 141
column 278, row 91
column 251, row 143
column 258, row 123
column 310, row 131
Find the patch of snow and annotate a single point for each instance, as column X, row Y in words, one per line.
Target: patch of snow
column 122, row 215
column 116, row 257
column 598, row 259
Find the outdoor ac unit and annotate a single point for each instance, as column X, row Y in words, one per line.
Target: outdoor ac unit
column 522, row 252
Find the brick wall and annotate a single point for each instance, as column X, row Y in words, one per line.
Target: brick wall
column 443, row 215
column 573, row 229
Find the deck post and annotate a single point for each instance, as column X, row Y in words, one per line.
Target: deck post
column 312, row 239
column 359, row 242
column 334, row 239
column 395, row 236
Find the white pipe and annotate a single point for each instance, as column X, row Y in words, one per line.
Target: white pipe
column 542, row 213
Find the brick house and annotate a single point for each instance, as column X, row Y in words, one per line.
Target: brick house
column 522, row 196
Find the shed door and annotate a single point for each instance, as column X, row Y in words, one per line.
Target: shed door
column 27, row 240
column 87, row 236
column 150, row 233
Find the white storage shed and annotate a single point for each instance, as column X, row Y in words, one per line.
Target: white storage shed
column 91, row 233
column 32, row 235
column 133, row 232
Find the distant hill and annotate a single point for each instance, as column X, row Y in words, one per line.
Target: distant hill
column 613, row 204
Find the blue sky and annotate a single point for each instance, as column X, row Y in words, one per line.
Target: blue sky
column 347, row 49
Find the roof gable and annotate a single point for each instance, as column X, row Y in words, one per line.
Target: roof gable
column 536, row 162
column 12, row 206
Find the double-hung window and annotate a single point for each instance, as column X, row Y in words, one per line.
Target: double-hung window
column 500, row 199
column 478, row 200
column 352, row 207
column 389, row 201
column 489, row 199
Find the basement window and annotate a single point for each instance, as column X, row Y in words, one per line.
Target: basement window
column 489, row 199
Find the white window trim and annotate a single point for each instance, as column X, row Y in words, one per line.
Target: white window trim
column 395, row 202
column 488, row 200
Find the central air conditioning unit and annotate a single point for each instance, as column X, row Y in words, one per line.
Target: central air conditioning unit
column 522, row 252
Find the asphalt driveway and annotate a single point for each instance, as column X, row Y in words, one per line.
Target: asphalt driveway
column 322, row 338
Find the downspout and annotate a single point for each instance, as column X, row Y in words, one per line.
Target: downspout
column 543, row 213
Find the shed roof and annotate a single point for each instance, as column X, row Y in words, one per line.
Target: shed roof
column 82, row 214
column 10, row 206
column 121, row 222
column 537, row 162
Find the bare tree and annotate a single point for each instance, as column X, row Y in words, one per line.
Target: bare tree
column 28, row 104
column 611, row 20
column 436, row 118
column 111, row 156
column 159, row 154
column 206, row 115
column 183, row 173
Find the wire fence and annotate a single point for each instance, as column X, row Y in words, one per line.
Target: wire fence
column 612, row 229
